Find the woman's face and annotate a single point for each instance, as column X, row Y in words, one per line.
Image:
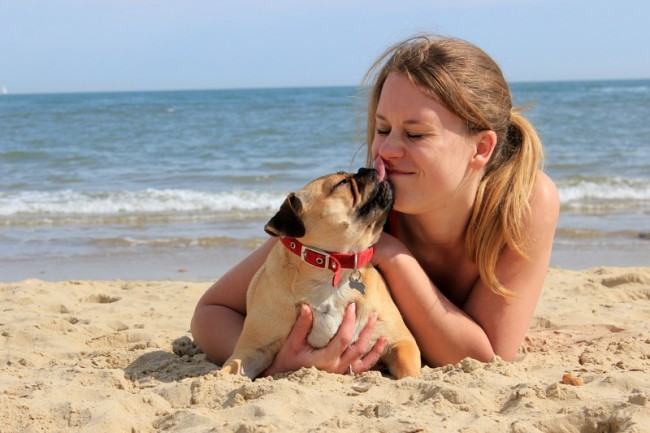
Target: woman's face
column 425, row 147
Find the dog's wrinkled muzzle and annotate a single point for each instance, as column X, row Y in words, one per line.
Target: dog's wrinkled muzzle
column 378, row 193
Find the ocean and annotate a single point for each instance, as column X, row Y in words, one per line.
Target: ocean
column 178, row 185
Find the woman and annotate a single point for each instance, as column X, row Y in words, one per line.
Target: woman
column 472, row 226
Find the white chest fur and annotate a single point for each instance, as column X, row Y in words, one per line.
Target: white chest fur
column 328, row 314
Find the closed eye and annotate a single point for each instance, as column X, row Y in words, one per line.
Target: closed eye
column 345, row 181
column 348, row 183
column 411, row 136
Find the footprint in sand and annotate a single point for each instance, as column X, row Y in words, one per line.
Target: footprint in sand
column 101, row 299
column 625, row 279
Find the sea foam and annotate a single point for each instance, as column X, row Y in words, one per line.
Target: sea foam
column 147, row 201
column 578, row 190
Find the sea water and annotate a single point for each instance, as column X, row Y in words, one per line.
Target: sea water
column 158, row 185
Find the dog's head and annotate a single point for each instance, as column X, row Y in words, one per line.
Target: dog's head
column 341, row 212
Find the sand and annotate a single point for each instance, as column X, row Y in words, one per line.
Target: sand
column 116, row 356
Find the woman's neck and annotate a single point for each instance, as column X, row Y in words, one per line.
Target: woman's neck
column 442, row 227
column 439, row 230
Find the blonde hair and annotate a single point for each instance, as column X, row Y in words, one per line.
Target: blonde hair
column 464, row 79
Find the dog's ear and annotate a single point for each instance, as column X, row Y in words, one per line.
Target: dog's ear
column 287, row 221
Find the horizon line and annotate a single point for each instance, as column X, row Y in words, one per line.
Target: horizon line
column 7, row 92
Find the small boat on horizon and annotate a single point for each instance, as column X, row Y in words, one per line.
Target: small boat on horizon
column 4, row 90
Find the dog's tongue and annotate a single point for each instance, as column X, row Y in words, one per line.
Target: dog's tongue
column 381, row 168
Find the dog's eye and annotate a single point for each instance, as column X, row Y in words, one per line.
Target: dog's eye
column 341, row 183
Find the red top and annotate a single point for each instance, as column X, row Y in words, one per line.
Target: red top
column 391, row 225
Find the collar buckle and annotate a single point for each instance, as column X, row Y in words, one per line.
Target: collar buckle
column 326, row 260
column 315, row 257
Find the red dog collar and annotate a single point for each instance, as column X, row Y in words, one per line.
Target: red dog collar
column 326, row 260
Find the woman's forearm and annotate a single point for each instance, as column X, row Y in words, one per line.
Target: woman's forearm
column 444, row 333
column 215, row 329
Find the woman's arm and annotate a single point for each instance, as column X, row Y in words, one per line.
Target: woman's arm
column 487, row 324
column 445, row 334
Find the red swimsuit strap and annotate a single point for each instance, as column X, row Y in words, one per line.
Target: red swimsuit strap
column 392, row 223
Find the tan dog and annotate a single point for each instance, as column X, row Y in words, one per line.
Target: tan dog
column 341, row 212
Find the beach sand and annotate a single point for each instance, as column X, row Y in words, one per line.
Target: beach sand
column 115, row 356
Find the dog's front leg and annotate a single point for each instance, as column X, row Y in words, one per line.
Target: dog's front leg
column 252, row 358
column 259, row 342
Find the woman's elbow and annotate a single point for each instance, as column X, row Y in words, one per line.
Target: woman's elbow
column 198, row 323
column 507, row 352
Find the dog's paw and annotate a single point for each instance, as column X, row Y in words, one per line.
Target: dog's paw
column 231, row 367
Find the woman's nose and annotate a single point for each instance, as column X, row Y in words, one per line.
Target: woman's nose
column 389, row 147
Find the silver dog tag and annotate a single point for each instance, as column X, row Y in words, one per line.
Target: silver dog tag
column 356, row 283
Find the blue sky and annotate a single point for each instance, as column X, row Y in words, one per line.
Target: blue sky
column 112, row 45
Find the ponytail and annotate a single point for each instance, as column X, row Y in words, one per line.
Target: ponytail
column 502, row 200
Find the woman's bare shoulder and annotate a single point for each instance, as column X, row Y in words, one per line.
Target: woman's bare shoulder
column 545, row 196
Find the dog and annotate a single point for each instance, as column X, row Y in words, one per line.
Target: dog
column 342, row 213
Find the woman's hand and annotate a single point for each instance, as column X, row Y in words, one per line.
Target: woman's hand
column 339, row 356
